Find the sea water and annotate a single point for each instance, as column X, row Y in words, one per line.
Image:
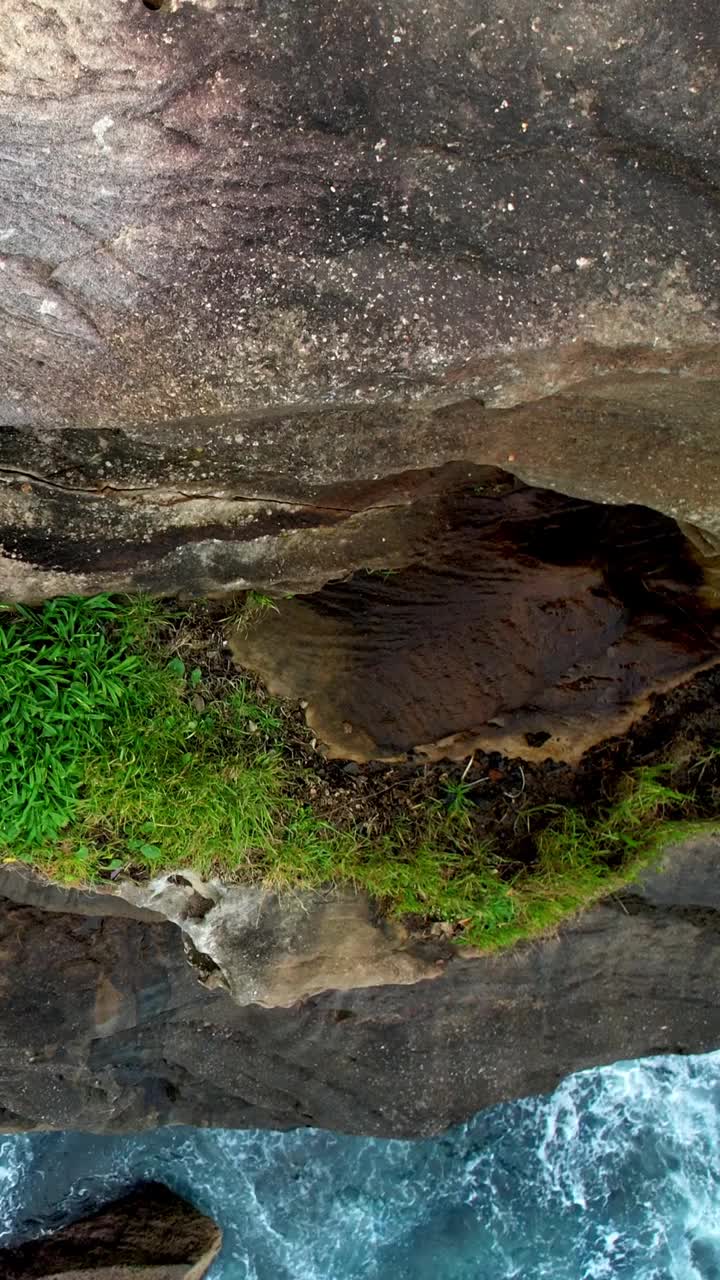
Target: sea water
column 616, row 1174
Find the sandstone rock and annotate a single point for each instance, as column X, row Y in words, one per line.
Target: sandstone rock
column 150, row 1234
column 104, row 1025
column 276, row 949
column 274, row 274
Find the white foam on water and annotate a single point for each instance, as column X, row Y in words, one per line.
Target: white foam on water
column 616, row 1176
column 15, row 1157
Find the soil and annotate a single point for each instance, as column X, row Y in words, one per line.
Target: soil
column 509, row 796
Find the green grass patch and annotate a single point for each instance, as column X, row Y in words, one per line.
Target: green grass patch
column 63, row 679
column 112, row 761
column 253, row 607
column 582, row 858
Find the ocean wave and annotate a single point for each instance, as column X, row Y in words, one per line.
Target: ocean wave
column 615, row 1175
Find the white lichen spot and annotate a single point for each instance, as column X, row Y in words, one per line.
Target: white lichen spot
column 48, row 307
column 582, row 264
column 100, row 128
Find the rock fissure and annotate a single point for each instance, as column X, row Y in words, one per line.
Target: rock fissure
column 160, row 499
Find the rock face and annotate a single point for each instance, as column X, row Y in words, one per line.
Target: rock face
column 104, row 1025
column 277, row 270
column 150, row 1234
column 275, row 280
column 277, row 949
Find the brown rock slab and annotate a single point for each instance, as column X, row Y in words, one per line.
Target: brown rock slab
column 535, row 626
column 150, row 1234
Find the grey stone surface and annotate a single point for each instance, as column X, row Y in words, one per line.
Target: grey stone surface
column 104, row 1025
column 263, row 270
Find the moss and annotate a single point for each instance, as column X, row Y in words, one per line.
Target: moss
column 116, row 759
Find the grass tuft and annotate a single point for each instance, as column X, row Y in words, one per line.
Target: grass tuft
column 254, row 606
column 65, row 671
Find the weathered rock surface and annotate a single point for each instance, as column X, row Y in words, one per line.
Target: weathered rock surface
column 262, row 947
column 536, row 626
column 264, row 270
column 105, row 1026
column 277, row 949
column 273, row 280
column 150, row 1234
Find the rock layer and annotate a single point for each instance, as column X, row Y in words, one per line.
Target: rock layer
column 264, row 270
column 150, row 1234
column 104, row 1025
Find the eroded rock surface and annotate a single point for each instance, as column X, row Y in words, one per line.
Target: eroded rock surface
column 264, row 270
column 150, row 1234
column 277, row 949
column 104, row 1025
column 535, row 626
column 266, row 948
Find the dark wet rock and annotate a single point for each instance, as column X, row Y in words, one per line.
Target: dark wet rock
column 150, row 1234
column 277, row 269
column 535, row 626
column 104, row 1025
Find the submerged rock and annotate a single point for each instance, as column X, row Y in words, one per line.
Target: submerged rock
column 150, row 1234
column 106, row 1026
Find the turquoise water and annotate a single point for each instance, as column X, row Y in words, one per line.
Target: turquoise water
column 616, row 1174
